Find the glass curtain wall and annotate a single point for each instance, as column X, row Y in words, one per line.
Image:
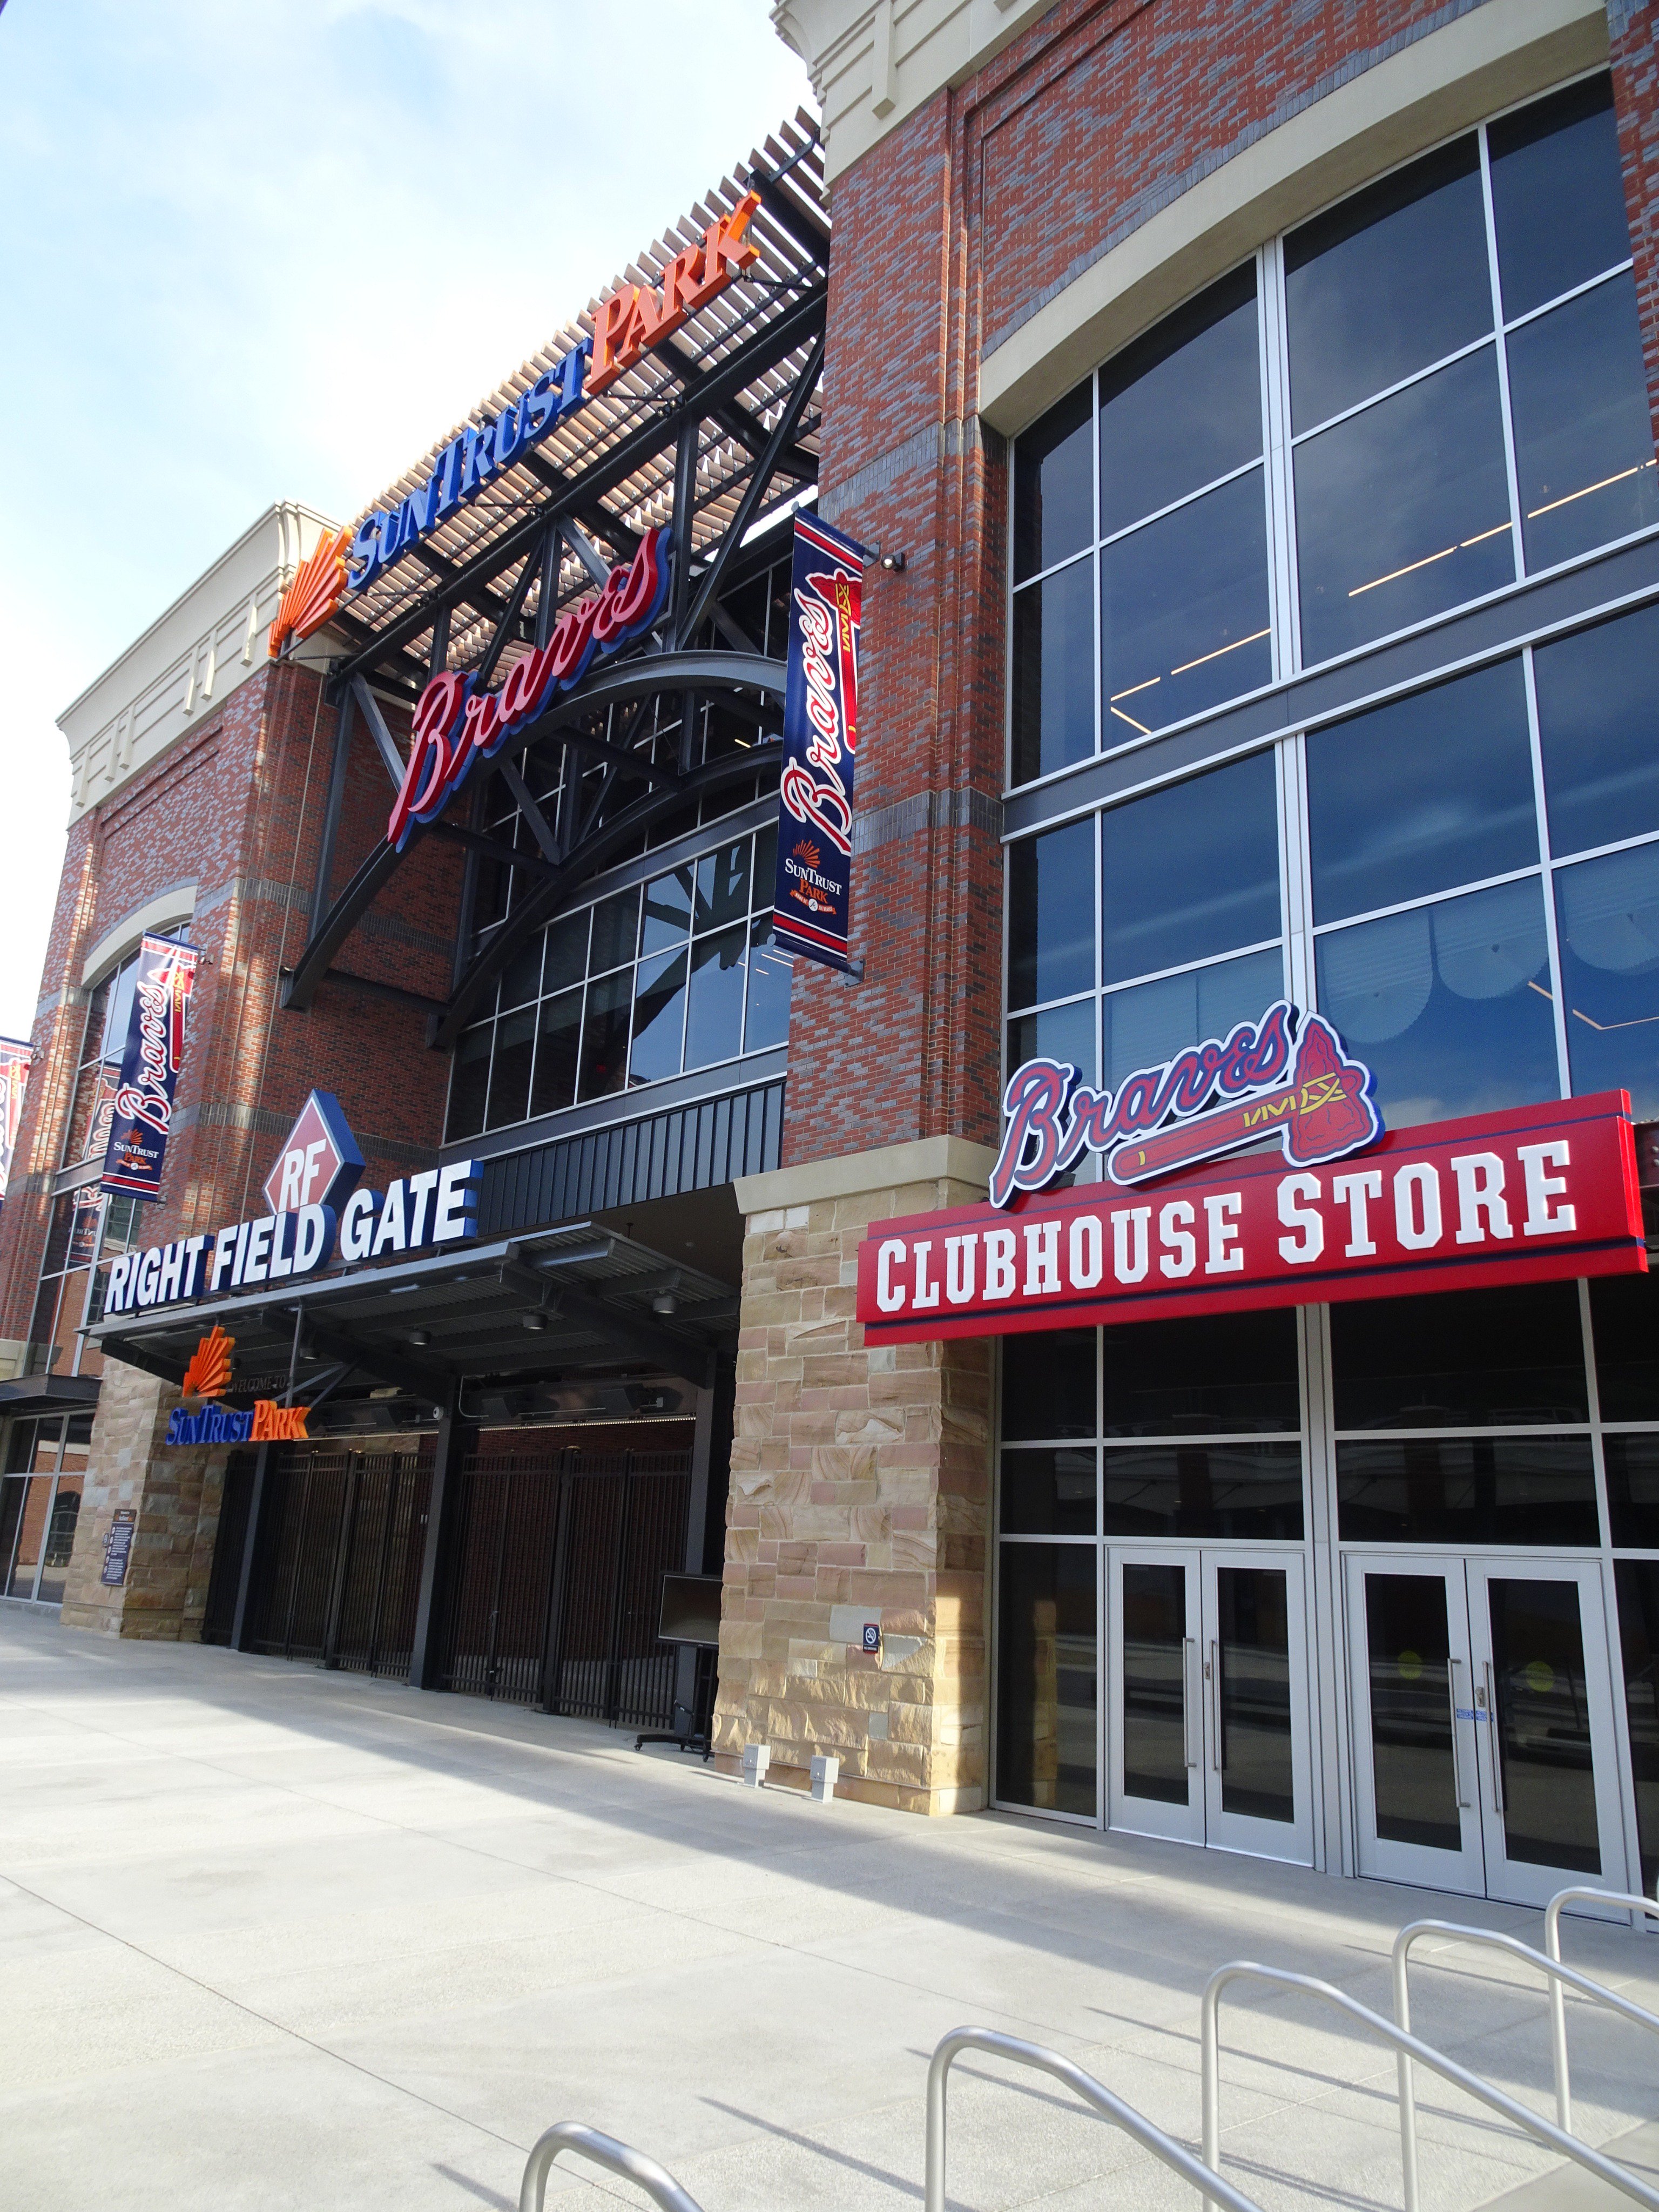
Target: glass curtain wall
column 40, row 1503
column 1428, row 392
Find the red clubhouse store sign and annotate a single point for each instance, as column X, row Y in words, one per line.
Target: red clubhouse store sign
column 1533, row 1193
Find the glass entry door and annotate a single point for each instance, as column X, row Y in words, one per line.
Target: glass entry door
column 1208, row 1714
column 1484, row 1754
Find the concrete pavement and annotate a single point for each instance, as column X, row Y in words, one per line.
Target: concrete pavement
column 276, row 1938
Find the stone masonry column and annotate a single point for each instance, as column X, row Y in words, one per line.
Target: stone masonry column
column 860, row 1490
column 175, row 1495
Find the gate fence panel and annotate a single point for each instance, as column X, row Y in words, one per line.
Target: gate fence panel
column 230, row 1541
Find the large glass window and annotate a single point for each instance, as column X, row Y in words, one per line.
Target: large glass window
column 680, row 973
column 1463, row 1420
column 1454, row 358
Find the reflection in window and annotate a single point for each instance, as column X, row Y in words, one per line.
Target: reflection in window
column 1431, row 791
column 1054, row 672
column 1624, row 1325
column 1449, row 1004
column 1404, row 510
column 1048, row 1493
column 1048, row 1650
column 1598, row 727
column 1391, row 279
column 1183, row 610
column 1223, row 893
column 1583, row 440
column 1181, row 407
column 1557, row 195
column 1638, row 1582
column 1215, row 1374
column 1151, row 1021
column 1198, row 1489
column 1607, row 919
column 1467, row 1490
column 1053, row 492
column 1465, row 1360
column 645, row 983
column 1049, row 1384
column 1051, row 915
column 1063, row 1033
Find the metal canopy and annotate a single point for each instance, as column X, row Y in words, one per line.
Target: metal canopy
column 712, row 433
column 576, row 1300
column 611, row 466
column 50, row 1394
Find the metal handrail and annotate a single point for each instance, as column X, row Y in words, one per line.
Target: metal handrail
column 1558, row 2003
column 658, row 2184
column 1555, row 1973
column 1134, row 2124
column 1409, row 2047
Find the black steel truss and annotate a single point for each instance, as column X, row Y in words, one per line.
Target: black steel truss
column 591, row 828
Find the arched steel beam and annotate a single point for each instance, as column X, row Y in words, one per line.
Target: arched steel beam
column 547, row 898
column 621, row 683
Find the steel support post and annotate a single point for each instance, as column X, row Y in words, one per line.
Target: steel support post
column 250, row 1544
column 456, row 1438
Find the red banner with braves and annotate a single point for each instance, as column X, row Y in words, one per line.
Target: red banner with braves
column 16, row 1060
column 150, row 1062
column 820, row 745
column 1531, row 1194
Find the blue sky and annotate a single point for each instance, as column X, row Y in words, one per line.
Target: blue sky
column 263, row 249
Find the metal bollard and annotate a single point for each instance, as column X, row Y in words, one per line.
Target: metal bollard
column 757, row 1758
column 826, row 1772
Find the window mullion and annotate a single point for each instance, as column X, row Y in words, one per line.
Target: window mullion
column 1276, row 434
column 1501, row 343
column 1558, row 986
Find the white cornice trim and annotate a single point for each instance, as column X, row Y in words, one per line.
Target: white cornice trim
column 1500, row 52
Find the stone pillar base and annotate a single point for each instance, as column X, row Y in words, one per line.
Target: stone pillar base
column 860, row 1494
column 175, row 1494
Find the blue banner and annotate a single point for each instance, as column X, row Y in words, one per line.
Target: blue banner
column 813, row 897
column 151, row 1060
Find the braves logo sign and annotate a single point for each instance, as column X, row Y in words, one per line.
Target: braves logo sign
column 1274, row 1076
column 456, row 725
column 820, row 745
column 149, row 1074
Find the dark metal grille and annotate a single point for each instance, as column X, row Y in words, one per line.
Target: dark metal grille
column 224, row 1579
column 338, row 1570
column 294, row 1573
column 558, row 1574
column 380, row 1581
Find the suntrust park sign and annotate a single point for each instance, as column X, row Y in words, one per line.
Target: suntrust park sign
column 1534, row 1194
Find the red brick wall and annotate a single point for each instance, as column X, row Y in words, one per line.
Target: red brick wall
column 1634, row 28
column 952, row 231
column 236, row 806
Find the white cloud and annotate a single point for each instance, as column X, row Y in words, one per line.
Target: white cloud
column 267, row 251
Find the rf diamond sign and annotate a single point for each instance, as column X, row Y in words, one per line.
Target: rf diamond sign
column 319, row 1161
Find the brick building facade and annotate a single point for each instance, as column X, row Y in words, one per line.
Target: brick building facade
column 1225, row 375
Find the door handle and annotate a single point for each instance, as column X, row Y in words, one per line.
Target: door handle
column 1458, row 1782
column 1215, row 1705
column 1491, row 1738
column 1189, row 1697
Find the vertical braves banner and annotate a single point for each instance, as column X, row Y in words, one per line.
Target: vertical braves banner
column 153, row 1053
column 16, row 1060
column 814, row 890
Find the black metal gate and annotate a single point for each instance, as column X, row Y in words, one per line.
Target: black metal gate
column 337, row 1572
column 558, row 1568
column 225, row 1576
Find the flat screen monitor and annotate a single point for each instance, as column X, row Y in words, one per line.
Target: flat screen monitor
column 690, row 1609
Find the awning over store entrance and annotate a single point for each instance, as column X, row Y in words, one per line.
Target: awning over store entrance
column 48, row 1393
column 575, row 1300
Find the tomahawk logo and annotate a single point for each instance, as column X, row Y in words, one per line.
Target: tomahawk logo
column 1299, row 1085
column 319, row 1161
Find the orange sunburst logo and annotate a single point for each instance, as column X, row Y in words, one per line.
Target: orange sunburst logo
column 208, row 1375
column 807, row 853
column 318, row 588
